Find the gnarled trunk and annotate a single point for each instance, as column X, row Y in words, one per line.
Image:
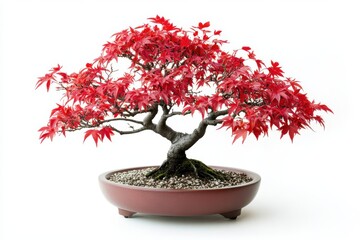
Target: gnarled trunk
column 177, row 164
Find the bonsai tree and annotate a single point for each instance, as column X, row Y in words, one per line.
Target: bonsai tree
column 148, row 74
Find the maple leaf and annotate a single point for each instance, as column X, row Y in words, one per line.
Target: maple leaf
column 324, row 108
column 259, row 63
column 65, row 78
column 252, row 55
column 291, row 129
column 172, row 68
column 277, row 94
column 158, row 19
column 55, row 110
column 275, row 69
column 240, row 133
column 203, row 25
column 48, row 78
column 95, row 135
column 47, row 132
column 185, row 41
column 106, row 132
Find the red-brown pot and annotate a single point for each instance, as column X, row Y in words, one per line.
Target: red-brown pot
column 172, row 202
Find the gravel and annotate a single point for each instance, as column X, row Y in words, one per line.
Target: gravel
column 138, row 178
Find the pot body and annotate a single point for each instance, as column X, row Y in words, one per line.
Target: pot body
column 185, row 202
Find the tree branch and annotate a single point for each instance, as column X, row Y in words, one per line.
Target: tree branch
column 210, row 120
column 190, row 139
column 162, row 128
column 176, row 113
column 133, row 113
column 153, row 110
column 214, row 115
column 121, row 119
column 213, row 122
column 144, row 66
column 129, row 132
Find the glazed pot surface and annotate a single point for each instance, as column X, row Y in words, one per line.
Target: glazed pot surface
column 180, row 202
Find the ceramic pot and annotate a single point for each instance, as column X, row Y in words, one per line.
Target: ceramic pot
column 185, row 202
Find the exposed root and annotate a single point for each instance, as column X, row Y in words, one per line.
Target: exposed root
column 187, row 167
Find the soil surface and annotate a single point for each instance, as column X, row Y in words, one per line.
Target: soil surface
column 138, row 178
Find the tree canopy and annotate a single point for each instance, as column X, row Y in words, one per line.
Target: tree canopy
column 178, row 72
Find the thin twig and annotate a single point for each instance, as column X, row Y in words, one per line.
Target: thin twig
column 129, row 132
column 121, row 119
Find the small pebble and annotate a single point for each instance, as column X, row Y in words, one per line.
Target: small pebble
column 138, row 178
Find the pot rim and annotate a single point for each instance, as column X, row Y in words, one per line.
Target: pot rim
column 104, row 177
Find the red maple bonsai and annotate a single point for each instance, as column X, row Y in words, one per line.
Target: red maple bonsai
column 174, row 72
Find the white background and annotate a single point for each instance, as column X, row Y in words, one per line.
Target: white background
column 309, row 188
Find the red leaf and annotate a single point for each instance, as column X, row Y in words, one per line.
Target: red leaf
column 47, row 132
column 240, row 133
column 259, row 63
column 106, row 132
column 170, row 66
column 188, row 109
column 252, row 55
column 95, row 135
column 58, row 109
column 324, row 108
column 203, row 25
column 48, row 78
column 275, row 69
column 159, row 20
column 292, row 130
column 185, row 41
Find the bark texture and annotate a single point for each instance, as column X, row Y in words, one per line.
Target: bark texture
column 177, row 162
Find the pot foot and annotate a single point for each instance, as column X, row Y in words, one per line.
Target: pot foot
column 125, row 213
column 232, row 215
